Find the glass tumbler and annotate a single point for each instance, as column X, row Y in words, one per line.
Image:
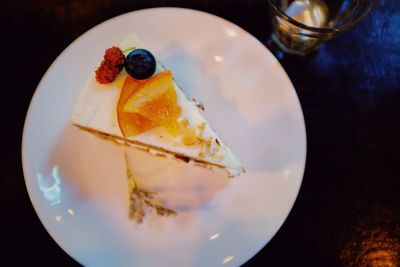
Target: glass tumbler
column 302, row 26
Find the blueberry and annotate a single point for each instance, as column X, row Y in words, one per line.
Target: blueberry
column 140, row 64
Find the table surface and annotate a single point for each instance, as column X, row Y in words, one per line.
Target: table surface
column 348, row 209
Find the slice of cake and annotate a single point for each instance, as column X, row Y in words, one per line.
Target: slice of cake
column 150, row 113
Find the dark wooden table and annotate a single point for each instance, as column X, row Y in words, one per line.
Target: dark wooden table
column 348, row 209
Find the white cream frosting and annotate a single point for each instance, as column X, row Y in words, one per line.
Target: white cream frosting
column 96, row 105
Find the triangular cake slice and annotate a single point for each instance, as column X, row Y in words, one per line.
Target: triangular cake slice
column 104, row 110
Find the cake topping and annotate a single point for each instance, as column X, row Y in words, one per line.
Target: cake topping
column 111, row 66
column 152, row 102
column 140, row 64
column 131, row 124
column 196, row 135
column 115, row 56
column 198, row 104
column 190, row 137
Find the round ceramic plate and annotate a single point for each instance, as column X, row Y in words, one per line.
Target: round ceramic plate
column 78, row 183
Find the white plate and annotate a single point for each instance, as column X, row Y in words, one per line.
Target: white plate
column 77, row 182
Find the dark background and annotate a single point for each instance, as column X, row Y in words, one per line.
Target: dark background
column 348, row 209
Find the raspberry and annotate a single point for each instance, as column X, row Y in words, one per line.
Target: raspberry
column 105, row 73
column 111, row 65
column 115, row 56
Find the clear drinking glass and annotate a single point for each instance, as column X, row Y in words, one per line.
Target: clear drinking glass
column 302, row 26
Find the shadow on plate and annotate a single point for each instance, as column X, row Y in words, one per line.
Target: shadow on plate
column 95, row 170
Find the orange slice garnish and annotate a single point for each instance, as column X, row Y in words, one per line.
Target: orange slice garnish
column 152, row 102
column 131, row 124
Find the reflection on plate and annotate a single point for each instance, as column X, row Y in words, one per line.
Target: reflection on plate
column 78, row 183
